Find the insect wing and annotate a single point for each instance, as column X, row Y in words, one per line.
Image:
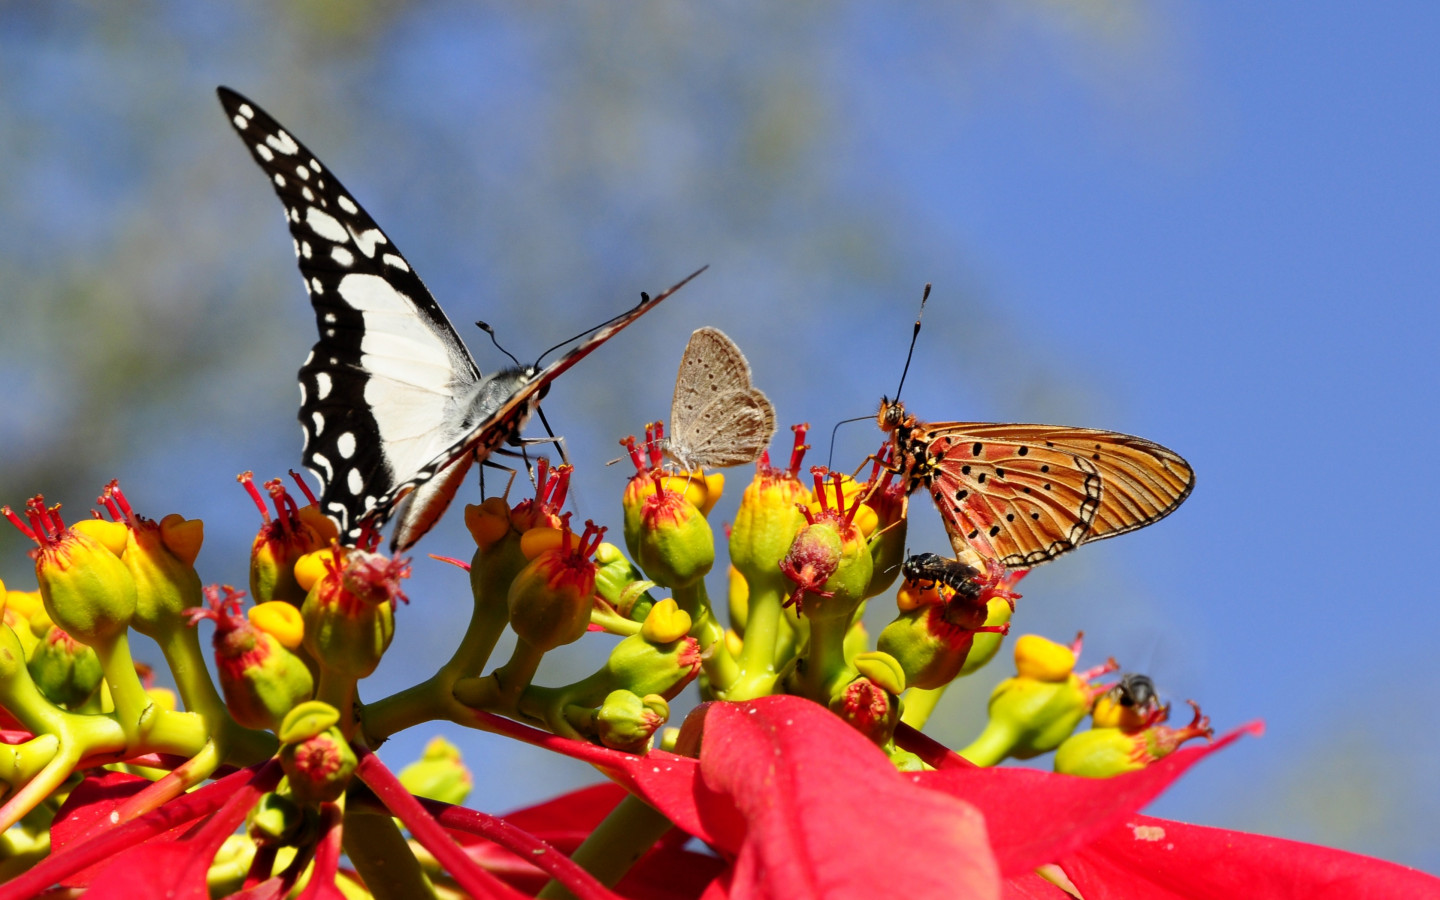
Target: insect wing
column 716, row 417
column 381, row 388
column 434, row 491
column 1024, row 494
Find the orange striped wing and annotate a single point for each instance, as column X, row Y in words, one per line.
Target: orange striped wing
column 1024, row 494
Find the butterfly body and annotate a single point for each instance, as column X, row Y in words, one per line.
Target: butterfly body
column 392, row 405
column 1022, row 494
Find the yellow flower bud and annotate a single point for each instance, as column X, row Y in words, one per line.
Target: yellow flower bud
column 280, row 620
column 667, row 622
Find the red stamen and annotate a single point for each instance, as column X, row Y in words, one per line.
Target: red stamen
column 285, row 509
column 247, row 481
column 542, row 480
column 304, row 488
column 451, row 560
column 562, row 485
column 113, row 490
column 15, row 520
column 628, row 442
column 798, row 453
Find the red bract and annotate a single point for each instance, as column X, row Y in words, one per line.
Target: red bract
column 801, row 806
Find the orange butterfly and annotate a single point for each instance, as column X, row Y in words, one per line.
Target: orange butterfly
column 1022, row 495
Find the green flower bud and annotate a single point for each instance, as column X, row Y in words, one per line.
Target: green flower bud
column 349, row 612
column 1106, row 752
column 550, row 599
column 87, row 590
column 626, row 721
column 869, row 708
column 161, row 559
column 282, row 541
column 935, row 642
column 262, row 680
column 766, row 524
column 276, row 819
column 644, row 666
column 65, row 670
column 620, row 584
column 498, row 558
column 831, row 566
column 21, row 628
column 1035, row 711
column 439, row 774
column 667, row 535
column 318, row 767
column 231, row 864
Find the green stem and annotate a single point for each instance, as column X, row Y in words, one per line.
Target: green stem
column 919, row 704
column 757, row 661
column 616, row 843
column 991, row 747
column 381, row 854
column 515, row 676
column 338, row 690
column 825, row 659
column 126, row 691
column 720, row 666
column 434, row 697
column 238, row 745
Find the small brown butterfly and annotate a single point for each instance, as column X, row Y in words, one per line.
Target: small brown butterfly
column 1022, row 495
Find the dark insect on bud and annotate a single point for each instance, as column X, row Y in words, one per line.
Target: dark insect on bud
column 930, row 569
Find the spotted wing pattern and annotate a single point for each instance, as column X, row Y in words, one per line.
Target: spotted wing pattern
column 717, row 418
column 1024, row 494
column 391, row 402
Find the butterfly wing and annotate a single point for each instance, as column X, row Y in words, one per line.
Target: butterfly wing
column 384, row 389
column 1024, row 494
column 716, row 417
column 503, row 405
column 730, row 430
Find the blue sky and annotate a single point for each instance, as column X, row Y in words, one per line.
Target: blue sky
column 1213, row 225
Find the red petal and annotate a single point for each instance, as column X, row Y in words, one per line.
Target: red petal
column 1159, row 860
column 826, row 814
column 91, row 804
column 1037, row 817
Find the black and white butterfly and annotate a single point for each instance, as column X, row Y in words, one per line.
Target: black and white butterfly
column 392, row 405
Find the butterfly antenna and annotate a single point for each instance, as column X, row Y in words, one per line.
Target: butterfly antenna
column 913, row 336
column 485, row 327
column 831, row 456
column 644, row 299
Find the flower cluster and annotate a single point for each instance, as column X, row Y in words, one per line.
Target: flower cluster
column 804, row 769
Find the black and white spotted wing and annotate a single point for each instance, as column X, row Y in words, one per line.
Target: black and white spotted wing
column 391, row 402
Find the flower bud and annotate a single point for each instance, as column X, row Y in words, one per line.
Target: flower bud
column 768, row 520
column 21, row 628
column 350, row 612
column 439, row 774
column 647, row 666
column 161, row 559
column 869, row 708
column 830, row 564
column 1035, row 711
column 1105, row 752
column 275, row 819
column 666, row 534
column 31, row 607
column 282, row 540
column 65, row 670
column 87, row 590
column 550, row 598
column 318, row 767
column 262, row 680
column 626, row 721
column 942, row 632
column 621, row 585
